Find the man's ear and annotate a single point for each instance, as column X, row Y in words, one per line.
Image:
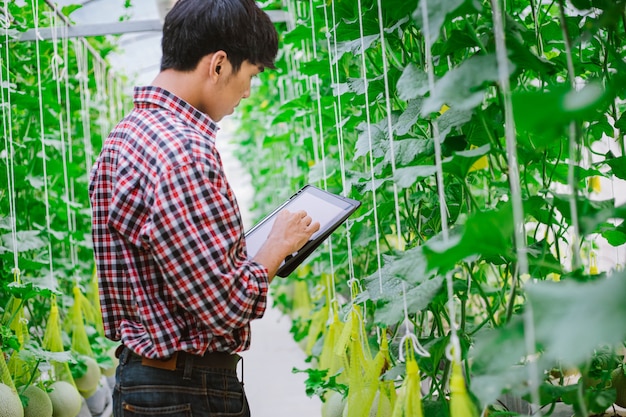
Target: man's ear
column 215, row 64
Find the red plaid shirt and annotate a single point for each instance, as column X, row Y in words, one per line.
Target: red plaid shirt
column 168, row 237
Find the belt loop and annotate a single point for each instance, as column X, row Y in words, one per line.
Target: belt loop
column 124, row 354
column 241, row 359
column 188, row 366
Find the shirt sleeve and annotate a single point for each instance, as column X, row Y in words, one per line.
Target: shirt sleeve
column 196, row 237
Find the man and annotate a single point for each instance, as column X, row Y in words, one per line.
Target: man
column 176, row 285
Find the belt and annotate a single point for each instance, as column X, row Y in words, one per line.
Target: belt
column 184, row 360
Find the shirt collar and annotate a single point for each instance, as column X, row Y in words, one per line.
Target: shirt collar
column 148, row 96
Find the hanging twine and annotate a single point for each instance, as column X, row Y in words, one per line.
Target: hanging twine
column 52, row 281
column 390, row 131
column 64, row 125
column 460, row 403
column 369, row 140
column 7, row 118
column 82, row 61
column 514, row 180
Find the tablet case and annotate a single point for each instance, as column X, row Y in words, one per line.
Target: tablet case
column 346, row 205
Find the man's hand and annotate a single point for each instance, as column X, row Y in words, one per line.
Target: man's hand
column 289, row 233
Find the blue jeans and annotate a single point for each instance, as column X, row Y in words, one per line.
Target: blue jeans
column 146, row 391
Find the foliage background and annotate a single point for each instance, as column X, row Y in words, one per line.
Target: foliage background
column 345, row 115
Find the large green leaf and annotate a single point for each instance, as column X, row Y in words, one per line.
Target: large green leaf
column 463, row 87
column 24, row 241
column 547, row 113
column 413, row 83
column 372, row 138
column 355, row 46
column 591, row 213
column 407, row 176
column 417, row 299
column 452, row 119
column 460, row 162
column 409, row 117
column 618, row 166
column 486, row 233
column 408, row 150
column 437, row 12
column 572, row 319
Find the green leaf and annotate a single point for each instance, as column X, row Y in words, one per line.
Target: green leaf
column 452, row 119
column 591, row 213
column 372, row 137
column 547, row 113
column 438, row 408
column 615, row 237
column 486, row 233
column 409, row 117
column 621, row 122
column 295, row 36
column 25, row 240
column 316, row 173
column 407, row 150
column 488, row 387
column 437, row 12
column 413, row 83
column 618, row 166
column 354, row 46
column 463, row 87
column 407, row 176
column 572, row 319
column 68, row 10
column 313, row 68
column 581, row 4
column 33, row 353
column 417, row 299
column 460, row 163
column 28, row 291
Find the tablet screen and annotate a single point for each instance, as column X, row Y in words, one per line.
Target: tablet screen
column 328, row 209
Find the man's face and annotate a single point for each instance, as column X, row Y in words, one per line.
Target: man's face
column 232, row 87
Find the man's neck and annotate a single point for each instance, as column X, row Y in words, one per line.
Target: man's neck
column 181, row 84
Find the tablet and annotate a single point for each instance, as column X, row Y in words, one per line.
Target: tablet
column 329, row 209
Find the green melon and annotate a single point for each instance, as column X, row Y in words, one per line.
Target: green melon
column 10, row 404
column 87, row 384
column 39, row 404
column 334, row 405
column 110, row 371
column 618, row 381
column 66, row 401
column 384, row 404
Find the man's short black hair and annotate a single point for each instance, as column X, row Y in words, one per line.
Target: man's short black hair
column 196, row 28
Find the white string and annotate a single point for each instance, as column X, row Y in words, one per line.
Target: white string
column 518, row 215
column 338, row 111
column 339, row 133
column 62, row 124
column 7, row 125
column 443, row 208
column 322, row 143
column 99, row 72
column 43, row 145
column 68, row 121
column 408, row 335
column 392, row 151
column 82, row 61
column 571, row 164
column 369, row 139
